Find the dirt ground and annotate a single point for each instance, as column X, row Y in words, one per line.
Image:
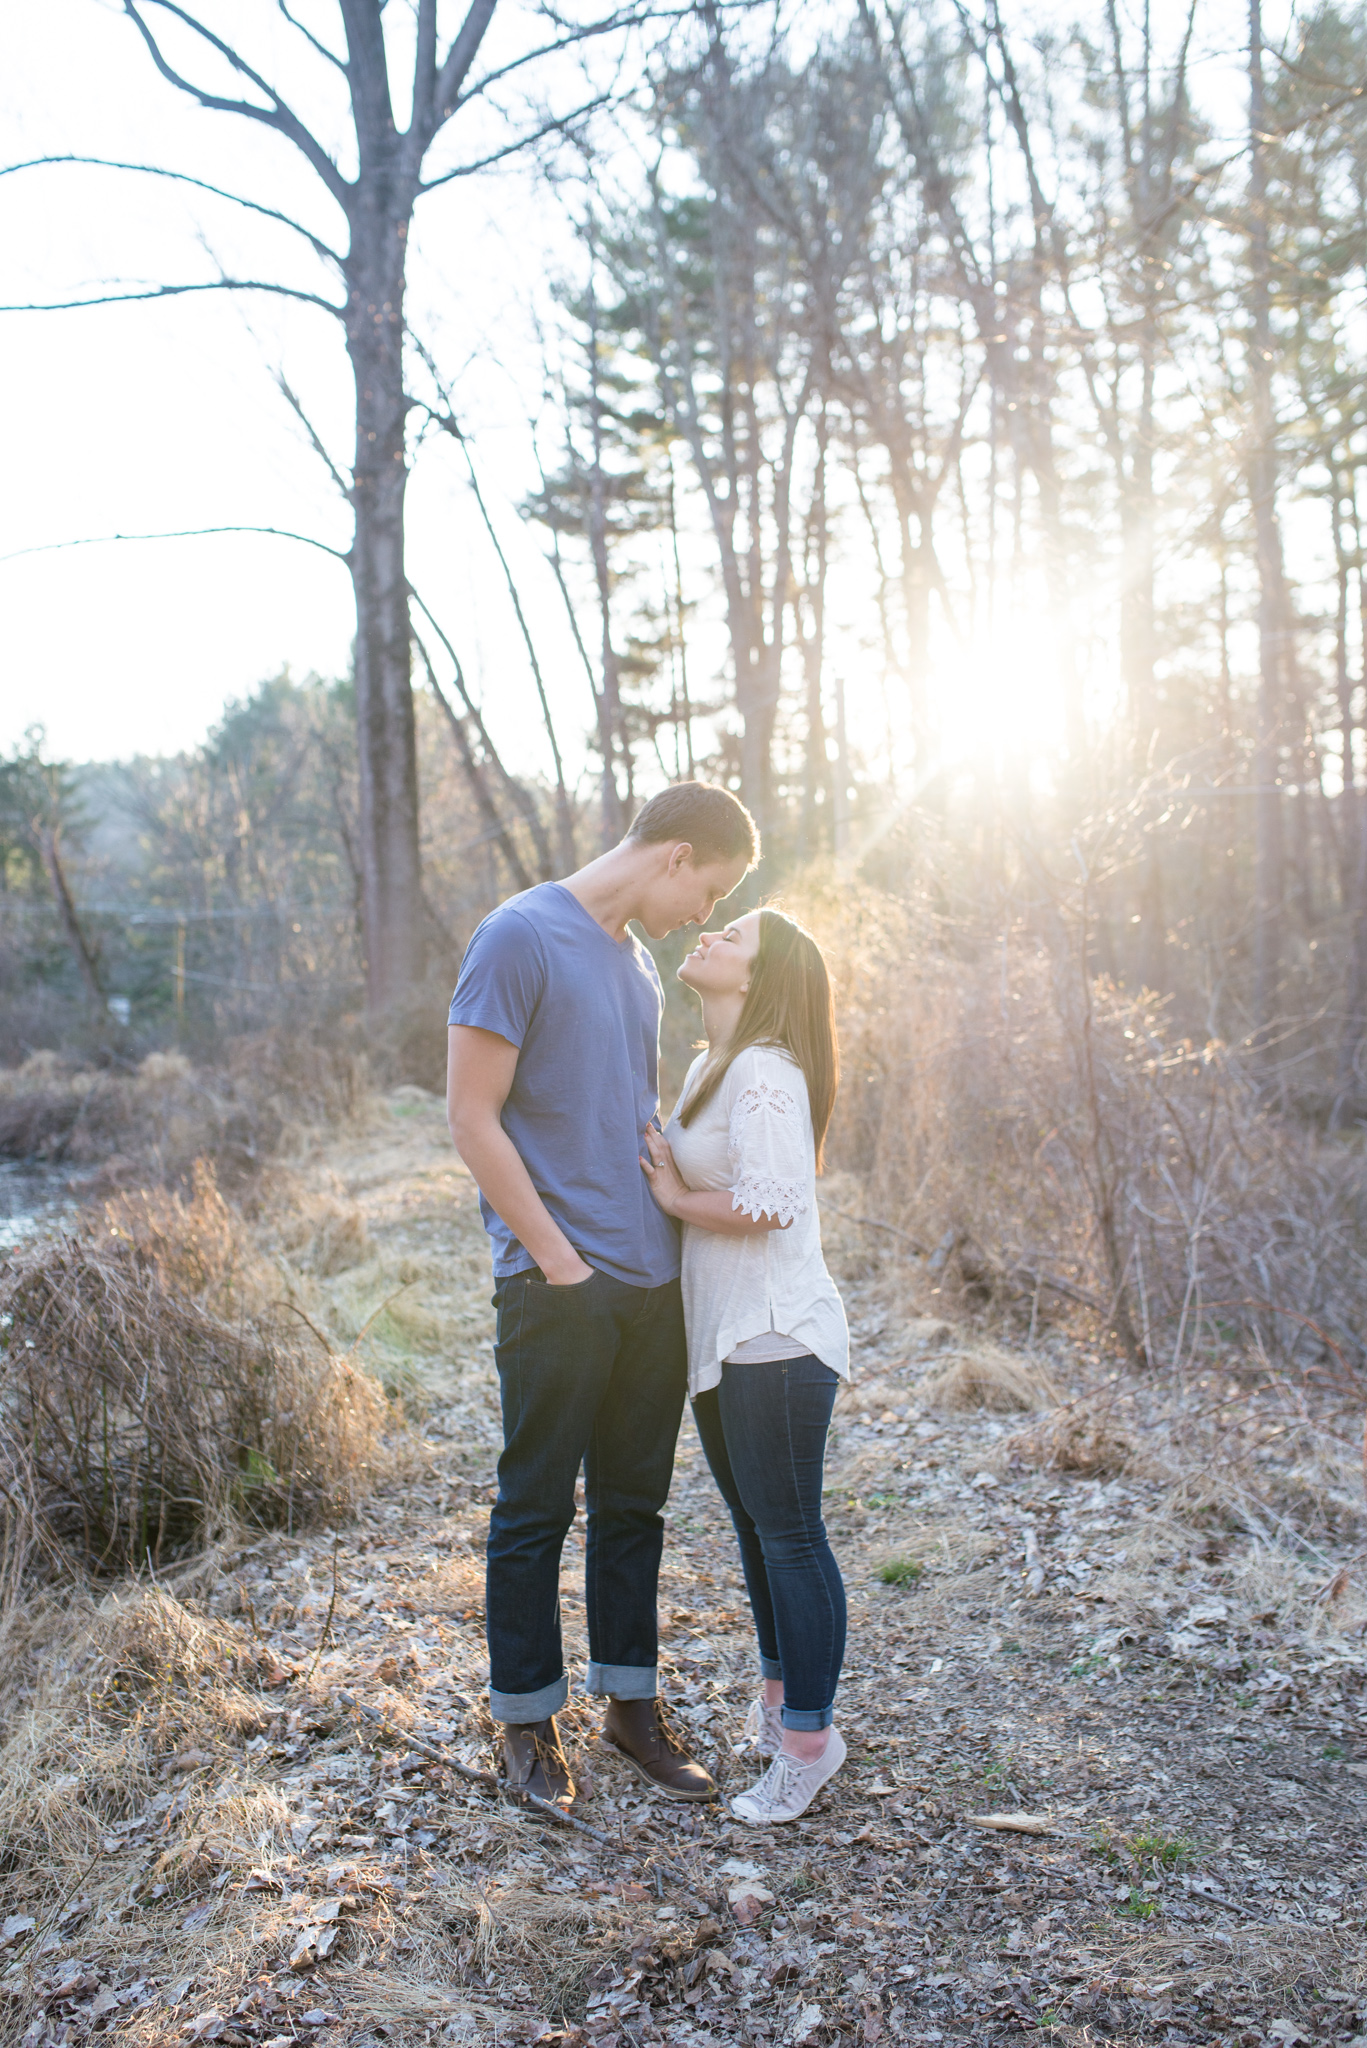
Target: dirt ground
column 1127, row 1617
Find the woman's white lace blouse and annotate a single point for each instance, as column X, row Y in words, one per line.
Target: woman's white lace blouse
column 754, row 1139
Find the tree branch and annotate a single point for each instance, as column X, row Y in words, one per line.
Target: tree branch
column 367, row 71
column 459, row 58
column 310, row 37
column 627, row 17
column 315, row 438
column 278, row 115
column 99, row 540
column 421, row 122
column 174, row 291
column 105, row 163
column 497, row 830
column 498, row 156
column 517, row 791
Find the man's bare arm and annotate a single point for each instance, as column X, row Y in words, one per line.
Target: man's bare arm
column 479, row 1072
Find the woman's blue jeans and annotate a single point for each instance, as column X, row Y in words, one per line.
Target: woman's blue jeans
column 764, row 1434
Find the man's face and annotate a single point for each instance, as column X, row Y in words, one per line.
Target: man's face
column 686, row 892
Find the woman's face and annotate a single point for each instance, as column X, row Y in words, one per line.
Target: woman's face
column 720, row 963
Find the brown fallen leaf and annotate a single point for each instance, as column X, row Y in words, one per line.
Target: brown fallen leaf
column 871, row 2026
column 1011, row 1823
column 748, row 1901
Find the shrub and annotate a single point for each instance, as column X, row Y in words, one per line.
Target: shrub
column 146, row 1394
column 986, row 1378
column 153, row 1123
column 1041, row 1135
column 1080, row 1437
column 900, row 1571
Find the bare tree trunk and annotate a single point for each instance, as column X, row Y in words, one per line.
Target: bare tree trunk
column 1353, row 837
column 611, row 737
column 387, row 739
column 378, row 204
column 1137, row 642
column 49, row 840
column 812, row 642
column 681, row 615
column 1268, row 884
column 840, row 806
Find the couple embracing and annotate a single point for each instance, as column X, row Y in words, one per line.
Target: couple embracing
column 634, row 1266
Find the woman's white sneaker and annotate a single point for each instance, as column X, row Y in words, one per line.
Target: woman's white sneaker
column 764, row 1727
column 789, row 1786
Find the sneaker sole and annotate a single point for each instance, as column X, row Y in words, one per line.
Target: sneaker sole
column 665, row 1791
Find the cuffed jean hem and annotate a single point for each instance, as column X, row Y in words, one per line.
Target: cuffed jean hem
column 769, row 1667
column 808, row 1717
column 522, row 1707
column 623, row 1681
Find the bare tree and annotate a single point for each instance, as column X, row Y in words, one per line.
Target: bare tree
column 377, row 204
column 1268, row 884
column 1016, row 331
column 736, row 290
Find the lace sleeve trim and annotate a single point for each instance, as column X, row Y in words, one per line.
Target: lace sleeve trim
column 763, row 1194
column 761, row 1095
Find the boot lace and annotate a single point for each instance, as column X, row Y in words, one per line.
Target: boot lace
column 550, row 1752
column 668, row 1736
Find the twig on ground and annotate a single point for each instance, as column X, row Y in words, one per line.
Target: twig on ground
column 872, row 1223
column 332, row 1609
column 484, row 1779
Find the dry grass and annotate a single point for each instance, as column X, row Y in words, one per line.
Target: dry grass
column 1034, row 1143
column 319, row 1230
column 117, row 1129
column 130, row 1687
column 459, row 1923
column 986, row 1377
column 150, row 1390
column 1082, row 1436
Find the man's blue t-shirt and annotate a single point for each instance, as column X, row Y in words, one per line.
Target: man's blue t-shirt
column 584, row 1013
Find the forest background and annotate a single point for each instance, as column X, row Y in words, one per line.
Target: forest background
column 943, row 422
column 947, row 431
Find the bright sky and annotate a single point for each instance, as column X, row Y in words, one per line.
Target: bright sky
column 148, row 418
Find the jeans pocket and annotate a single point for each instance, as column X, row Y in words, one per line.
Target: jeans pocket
column 536, row 1278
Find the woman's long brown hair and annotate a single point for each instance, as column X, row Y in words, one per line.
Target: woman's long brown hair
column 790, row 1005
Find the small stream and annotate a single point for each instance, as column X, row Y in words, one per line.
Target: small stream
column 29, row 1196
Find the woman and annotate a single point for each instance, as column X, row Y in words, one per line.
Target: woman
column 767, row 1342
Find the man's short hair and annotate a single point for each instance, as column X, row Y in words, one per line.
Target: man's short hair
column 713, row 822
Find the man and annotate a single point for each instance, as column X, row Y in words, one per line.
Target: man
column 552, row 1080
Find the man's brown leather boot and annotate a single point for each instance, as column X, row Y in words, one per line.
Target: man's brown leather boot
column 534, row 1762
column 639, row 1731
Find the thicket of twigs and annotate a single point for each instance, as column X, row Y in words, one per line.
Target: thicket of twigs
column 150, row 1391
column 149, row 1124
column 1040, row 1136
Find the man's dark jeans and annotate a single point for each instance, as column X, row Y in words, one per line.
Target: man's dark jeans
column 764, row 1434
column 591, row 1375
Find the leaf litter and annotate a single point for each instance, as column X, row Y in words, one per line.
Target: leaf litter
column 1108, row 1740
